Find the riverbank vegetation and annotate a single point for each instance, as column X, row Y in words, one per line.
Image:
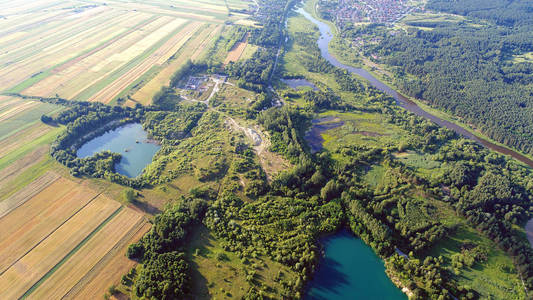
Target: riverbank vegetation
column 464, row 65
column 406, row 168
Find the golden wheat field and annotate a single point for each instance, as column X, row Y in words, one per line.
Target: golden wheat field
column 57, row 233
column 97, row 50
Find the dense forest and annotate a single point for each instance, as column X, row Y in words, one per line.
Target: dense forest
column 469, row 67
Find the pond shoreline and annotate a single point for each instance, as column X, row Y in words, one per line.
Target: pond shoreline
column 126, row 138
column 348, row 267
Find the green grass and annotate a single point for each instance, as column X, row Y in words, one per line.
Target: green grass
column 427, row 17
column 361, row 129
column 248, row 52
column 26, row 119
column 28, row 147
column 419, row 161
column 26, row 177
column 219, row 274
column 496, row 277
column 374, row 175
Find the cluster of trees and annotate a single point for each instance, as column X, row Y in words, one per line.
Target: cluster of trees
column 255, row 73
column 321, row 100
column 165, row 272
column 171, row 126
column 427, row 279
column 470, row 254
column 283, row 228
column 287, row 126
column 245, row 164
column 310, row 56
column 502, row 12
column 470, row 70
column 493, row 194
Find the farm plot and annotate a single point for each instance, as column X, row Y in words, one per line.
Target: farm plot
column 38, row 217
column 22, row 138
column 99, row 50
column 59, row 235
column 117, row 231
column 74, row 75
column 109, row 273
column 167, row 39
column 18, row 114
column 236, row 51
column 28, row 59
column 34, row 265
column 31, row 190
column 196, row 43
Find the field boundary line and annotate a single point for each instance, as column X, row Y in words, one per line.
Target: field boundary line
column 31, row 195
column 49, row 234
column 71, row 253
column 93, row 272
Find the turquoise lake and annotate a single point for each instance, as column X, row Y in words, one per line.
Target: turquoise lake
column 131, row 141
column 350, row 270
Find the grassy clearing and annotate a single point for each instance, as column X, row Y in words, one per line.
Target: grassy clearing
column 219, row 274
column 418, row 161
column 374, row 175
column 412, row 20
column 496, row 276
column 363, row 129
column 248, row 52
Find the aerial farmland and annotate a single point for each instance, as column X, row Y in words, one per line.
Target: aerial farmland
column 99, row 50
column 65, row 237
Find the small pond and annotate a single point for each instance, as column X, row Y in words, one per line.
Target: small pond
column 298, row 83
column 313, row 136
column 350, row 270
column 131, row 141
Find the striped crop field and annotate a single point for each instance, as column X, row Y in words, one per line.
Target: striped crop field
column 17, row 114
column 196, row 43
column 109, row 270
column 60, row 233
column 98, row 50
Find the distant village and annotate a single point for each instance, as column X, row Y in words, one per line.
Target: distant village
column 344, row 12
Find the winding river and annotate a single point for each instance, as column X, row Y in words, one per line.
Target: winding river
column 323, row 42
